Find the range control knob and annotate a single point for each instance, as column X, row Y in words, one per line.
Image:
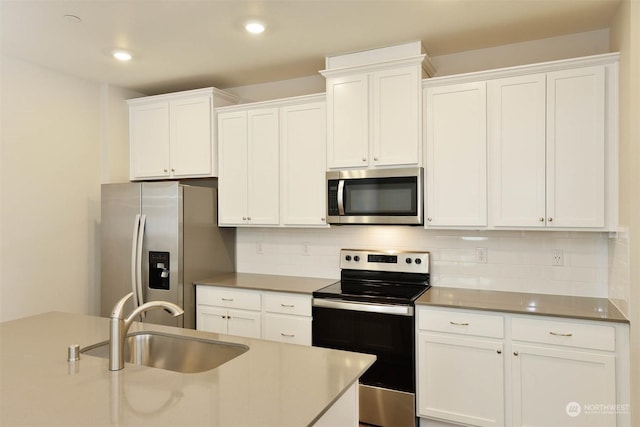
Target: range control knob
column 356, row 258
column 408, row 260
column 418, row 261
column 348, row 257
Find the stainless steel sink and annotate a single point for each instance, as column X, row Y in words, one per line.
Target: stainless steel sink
column 173, row 352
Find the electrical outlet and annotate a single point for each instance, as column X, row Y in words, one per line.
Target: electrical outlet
column 558, row 258
column 305, row 248
column 481, row 255
column 259, row 248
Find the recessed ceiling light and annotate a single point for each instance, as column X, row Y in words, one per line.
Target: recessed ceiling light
column 254, row 27
column 121, row 55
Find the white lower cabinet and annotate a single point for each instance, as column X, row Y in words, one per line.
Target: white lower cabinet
column 461, row 367
column 538, row 371
column 274, row 316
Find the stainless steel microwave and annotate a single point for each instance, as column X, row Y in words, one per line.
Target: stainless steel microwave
column 380, row 196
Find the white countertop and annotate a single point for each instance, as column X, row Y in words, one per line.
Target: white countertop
column 272, row 384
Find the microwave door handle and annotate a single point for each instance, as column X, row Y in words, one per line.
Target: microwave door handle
column 341, row 197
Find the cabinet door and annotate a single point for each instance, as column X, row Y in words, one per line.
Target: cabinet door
column 149, row 140
column 347, row 121
column 232, row 183
column 303, row 161
column 191, row 139
column 263, row 167
column 456, row 188
column 516, row 129
column 471, row 389
column 395, row 117
column 576, row 147
column 551, row 387
column 244, row 323
column 211, row 319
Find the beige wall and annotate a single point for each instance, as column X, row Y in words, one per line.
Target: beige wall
column 50, row 191
column 625, row 37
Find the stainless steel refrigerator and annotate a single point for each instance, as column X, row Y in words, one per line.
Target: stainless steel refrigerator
column 156, row 239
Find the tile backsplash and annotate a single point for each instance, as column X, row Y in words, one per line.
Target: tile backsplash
column 519, row 261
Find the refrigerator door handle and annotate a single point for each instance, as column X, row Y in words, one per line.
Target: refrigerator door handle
column 143, row 220
column 134, row 260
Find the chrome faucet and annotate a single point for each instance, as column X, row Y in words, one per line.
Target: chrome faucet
column 119, row 326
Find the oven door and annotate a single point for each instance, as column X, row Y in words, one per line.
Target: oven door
column 388, row 336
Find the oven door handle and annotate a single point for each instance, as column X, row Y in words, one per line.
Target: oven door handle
column 399, row 310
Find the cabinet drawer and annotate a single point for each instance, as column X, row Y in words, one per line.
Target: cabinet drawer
column 560, row 332
column 291, row 329
column 231, row 298
column 461, row 322
column 299, row 305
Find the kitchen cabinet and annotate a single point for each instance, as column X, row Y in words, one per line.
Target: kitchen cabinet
column 528, row 147
column 226, row 311
column 547, row 139
column 272, row 163
column 303, row 153
column 560, row 366
column 520, row 370
column 470, row 389
column 173, row 135
column 374, row 108
column 456, row 141
column 249, row 167
column 274, row 316
column 287, row 318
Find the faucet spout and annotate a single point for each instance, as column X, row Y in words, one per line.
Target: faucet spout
column 119, row 326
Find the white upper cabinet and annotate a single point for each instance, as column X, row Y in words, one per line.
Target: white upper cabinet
column 272, row 163
column 551, row 141
column 456, row 165
column 173, row 135
column 303, row 152
column 576, row 148
column 248, row 186
column 374, row 108
column 516, row 129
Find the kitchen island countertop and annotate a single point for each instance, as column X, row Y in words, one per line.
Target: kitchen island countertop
column 272, row 384
column 267, row 282
column 574, row 307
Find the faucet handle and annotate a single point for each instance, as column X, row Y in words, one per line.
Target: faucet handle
column 118, row 309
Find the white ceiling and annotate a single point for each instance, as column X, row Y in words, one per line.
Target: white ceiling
column 182, row 44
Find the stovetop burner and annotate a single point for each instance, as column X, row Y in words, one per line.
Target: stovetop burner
column 380, row 277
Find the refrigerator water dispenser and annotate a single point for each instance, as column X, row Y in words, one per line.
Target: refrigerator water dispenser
column 159, row 270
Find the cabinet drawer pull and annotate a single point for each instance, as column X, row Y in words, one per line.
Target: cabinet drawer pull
column 287, row 335
column 287, row 305
column 560, row 335
column 226, row 299
column 459, row 324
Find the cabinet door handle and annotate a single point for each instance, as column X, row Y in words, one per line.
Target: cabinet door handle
column 459, row 324
column 557, row 334
column 364, row 159
column 173, row 170
column 227, row 299
column 499, row 351
column 287, row 305
column 165, row 171
column 375, row 159
column 515, row 353
column 287, row 335
column 541, row 219
column 429, row 219
column 550, row 219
